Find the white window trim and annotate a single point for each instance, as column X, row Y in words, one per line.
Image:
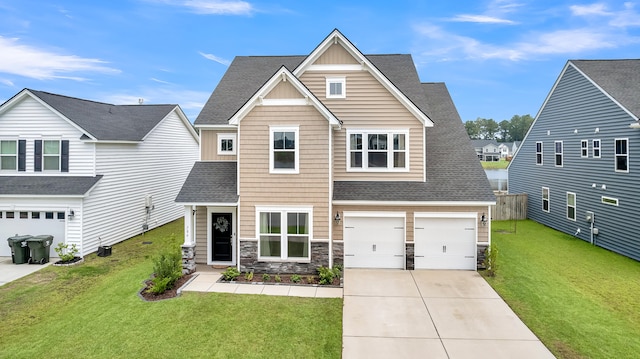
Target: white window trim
column 59, row 154
column 365, row 165
column 575, row 205
column 556, row 153
column 611, row 201
column 541, row 153
column 548, row 200
column 284, row 210
column 296, row 169
column 584, row 149
column 333, row 80
column 226, row 136
column 16, row 155
column 593, row 147
column 615, row 156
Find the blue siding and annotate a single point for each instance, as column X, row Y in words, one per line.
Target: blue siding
column 576, row 104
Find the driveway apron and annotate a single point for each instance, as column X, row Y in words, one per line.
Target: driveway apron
column 430, row 314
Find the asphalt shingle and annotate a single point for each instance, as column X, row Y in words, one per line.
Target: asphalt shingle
column 210, row 182
column 47, row 185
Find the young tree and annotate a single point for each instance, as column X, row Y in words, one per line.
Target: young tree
column 473, row 130
column 505, row 130
column 489, row 129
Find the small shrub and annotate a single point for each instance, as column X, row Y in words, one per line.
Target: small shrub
column 230, row 274
column 295, row 278
column 277, row 278
column 248, row 276
column 65, row 253
column 266, row 277
column 491, row 260
column 326, row 275
column 310, row 279
column 159, row 285
column 167, row 269
column 337, row 270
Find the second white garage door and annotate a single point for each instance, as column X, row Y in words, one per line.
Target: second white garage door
column 374, row 242
column 445, row 243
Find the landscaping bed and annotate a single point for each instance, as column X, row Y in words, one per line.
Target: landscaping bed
column 286, row 279
column 172, row 292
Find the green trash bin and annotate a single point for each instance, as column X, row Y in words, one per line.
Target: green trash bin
column 40, row 246
column 19, row 249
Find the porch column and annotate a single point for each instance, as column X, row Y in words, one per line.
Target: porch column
column 189, row 245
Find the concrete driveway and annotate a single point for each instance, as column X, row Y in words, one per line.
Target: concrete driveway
column 430, row 314
column 10, row 272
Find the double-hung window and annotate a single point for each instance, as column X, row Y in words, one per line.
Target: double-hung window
column 596, row 148
column 284, row 233
column 8, row 155
column 539, row 153
column 284, row 154
column 51, row 155
column 545, row 199
column 622, row 155
column 571, row 206
column 584, row 148
column 558, row 152
column 377, row 150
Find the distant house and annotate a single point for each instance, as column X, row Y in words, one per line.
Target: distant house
column 508, row 149
column 335, row 157
column 486, row 150
column 90, row 173
column 580, row 160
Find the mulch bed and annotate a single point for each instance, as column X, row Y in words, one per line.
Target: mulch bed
column 306, row 279
column 171, row 293
column 75, row 260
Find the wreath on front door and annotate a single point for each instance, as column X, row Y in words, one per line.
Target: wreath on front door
column 221, row 224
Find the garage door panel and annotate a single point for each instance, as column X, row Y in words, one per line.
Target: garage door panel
column 445, row 243
column 374, row 242
column 33, row 226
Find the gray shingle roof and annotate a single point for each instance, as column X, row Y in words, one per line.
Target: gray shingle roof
column 453, row 170
column 210, row 182
column 47, row 185
column 106, row 121
column 619, row 78
column 247, row 74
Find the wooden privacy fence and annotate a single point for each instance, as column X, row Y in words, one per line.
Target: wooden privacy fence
column 509, row 206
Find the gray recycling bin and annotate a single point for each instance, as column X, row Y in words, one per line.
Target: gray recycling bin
column 40, row 247
column 19, row 248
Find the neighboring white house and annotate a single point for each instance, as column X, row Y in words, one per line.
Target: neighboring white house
column 90, row 173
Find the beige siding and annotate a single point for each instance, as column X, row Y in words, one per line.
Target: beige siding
column 284, row 90
column 483, row 231
column 308, row 188
column 201, row 235
column 209, row 146
column 336, row 54
column 368, row 105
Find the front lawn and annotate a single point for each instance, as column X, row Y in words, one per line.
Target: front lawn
column 582, row 301
column 495, row 165
column 92, row 311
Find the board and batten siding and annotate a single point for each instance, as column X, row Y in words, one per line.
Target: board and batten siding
column 368, row 105
column 209, row 146
column 483, row 231
column 308, row 188
column 577, row 105
column 158, row 166
column 30, row 120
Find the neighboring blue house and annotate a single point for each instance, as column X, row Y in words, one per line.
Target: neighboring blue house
column 580, row 160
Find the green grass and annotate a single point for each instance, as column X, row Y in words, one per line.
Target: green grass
column 92, row 311
column 582, row 301
column 496, row 165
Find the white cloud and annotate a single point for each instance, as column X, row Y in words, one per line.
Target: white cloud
column 212, row 7
column 627, row 17
column 484, row 19
column 587, row 10
column 494, row 14
column 28, row 61
column 160, row 81
column 6, row 82
column 215, row 58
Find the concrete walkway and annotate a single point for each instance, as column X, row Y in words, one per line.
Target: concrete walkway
column 207, row 282
column 430, row 314
column 10, row 272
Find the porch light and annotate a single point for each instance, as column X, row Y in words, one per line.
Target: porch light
column 337, row 218
column 71, row 214
column 483, row 219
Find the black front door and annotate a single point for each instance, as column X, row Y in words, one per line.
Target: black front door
column 221, row 233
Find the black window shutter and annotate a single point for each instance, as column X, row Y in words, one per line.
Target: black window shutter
column 64, row 166
column 37, row 158
column 22, row 155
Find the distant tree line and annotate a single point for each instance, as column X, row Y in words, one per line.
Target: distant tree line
column 505, row 131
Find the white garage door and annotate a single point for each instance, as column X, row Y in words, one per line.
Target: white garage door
column 374, row 242
column 33, row 223
column 445, row 243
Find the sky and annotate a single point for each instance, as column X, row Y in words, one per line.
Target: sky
column 498, row 58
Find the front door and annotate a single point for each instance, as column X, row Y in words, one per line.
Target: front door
column 221, row 230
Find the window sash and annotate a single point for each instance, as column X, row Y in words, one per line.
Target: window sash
column 558, row 153
column 383, row 151
column 596, row 148
column 539, row 149
column 8, row 155
column 545, row 199
column 584, row 148
column 571, row 206
column 51, row 155
column 292, row 243
column 336, row 87
column 285, row 151
column 622, row 155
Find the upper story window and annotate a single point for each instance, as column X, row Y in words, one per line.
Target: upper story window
column 596, row 148
column 336, row 87
column 539, row 153
column 622, row 155
column 584, row 148
column 51, row 155
column 284, row 152
column 13, row 155
column 558, row 149
column 226, row 144
column 378, row 150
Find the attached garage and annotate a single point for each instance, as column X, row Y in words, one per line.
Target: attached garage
column 33, row 223
column 374, row 240
column 445, row 241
